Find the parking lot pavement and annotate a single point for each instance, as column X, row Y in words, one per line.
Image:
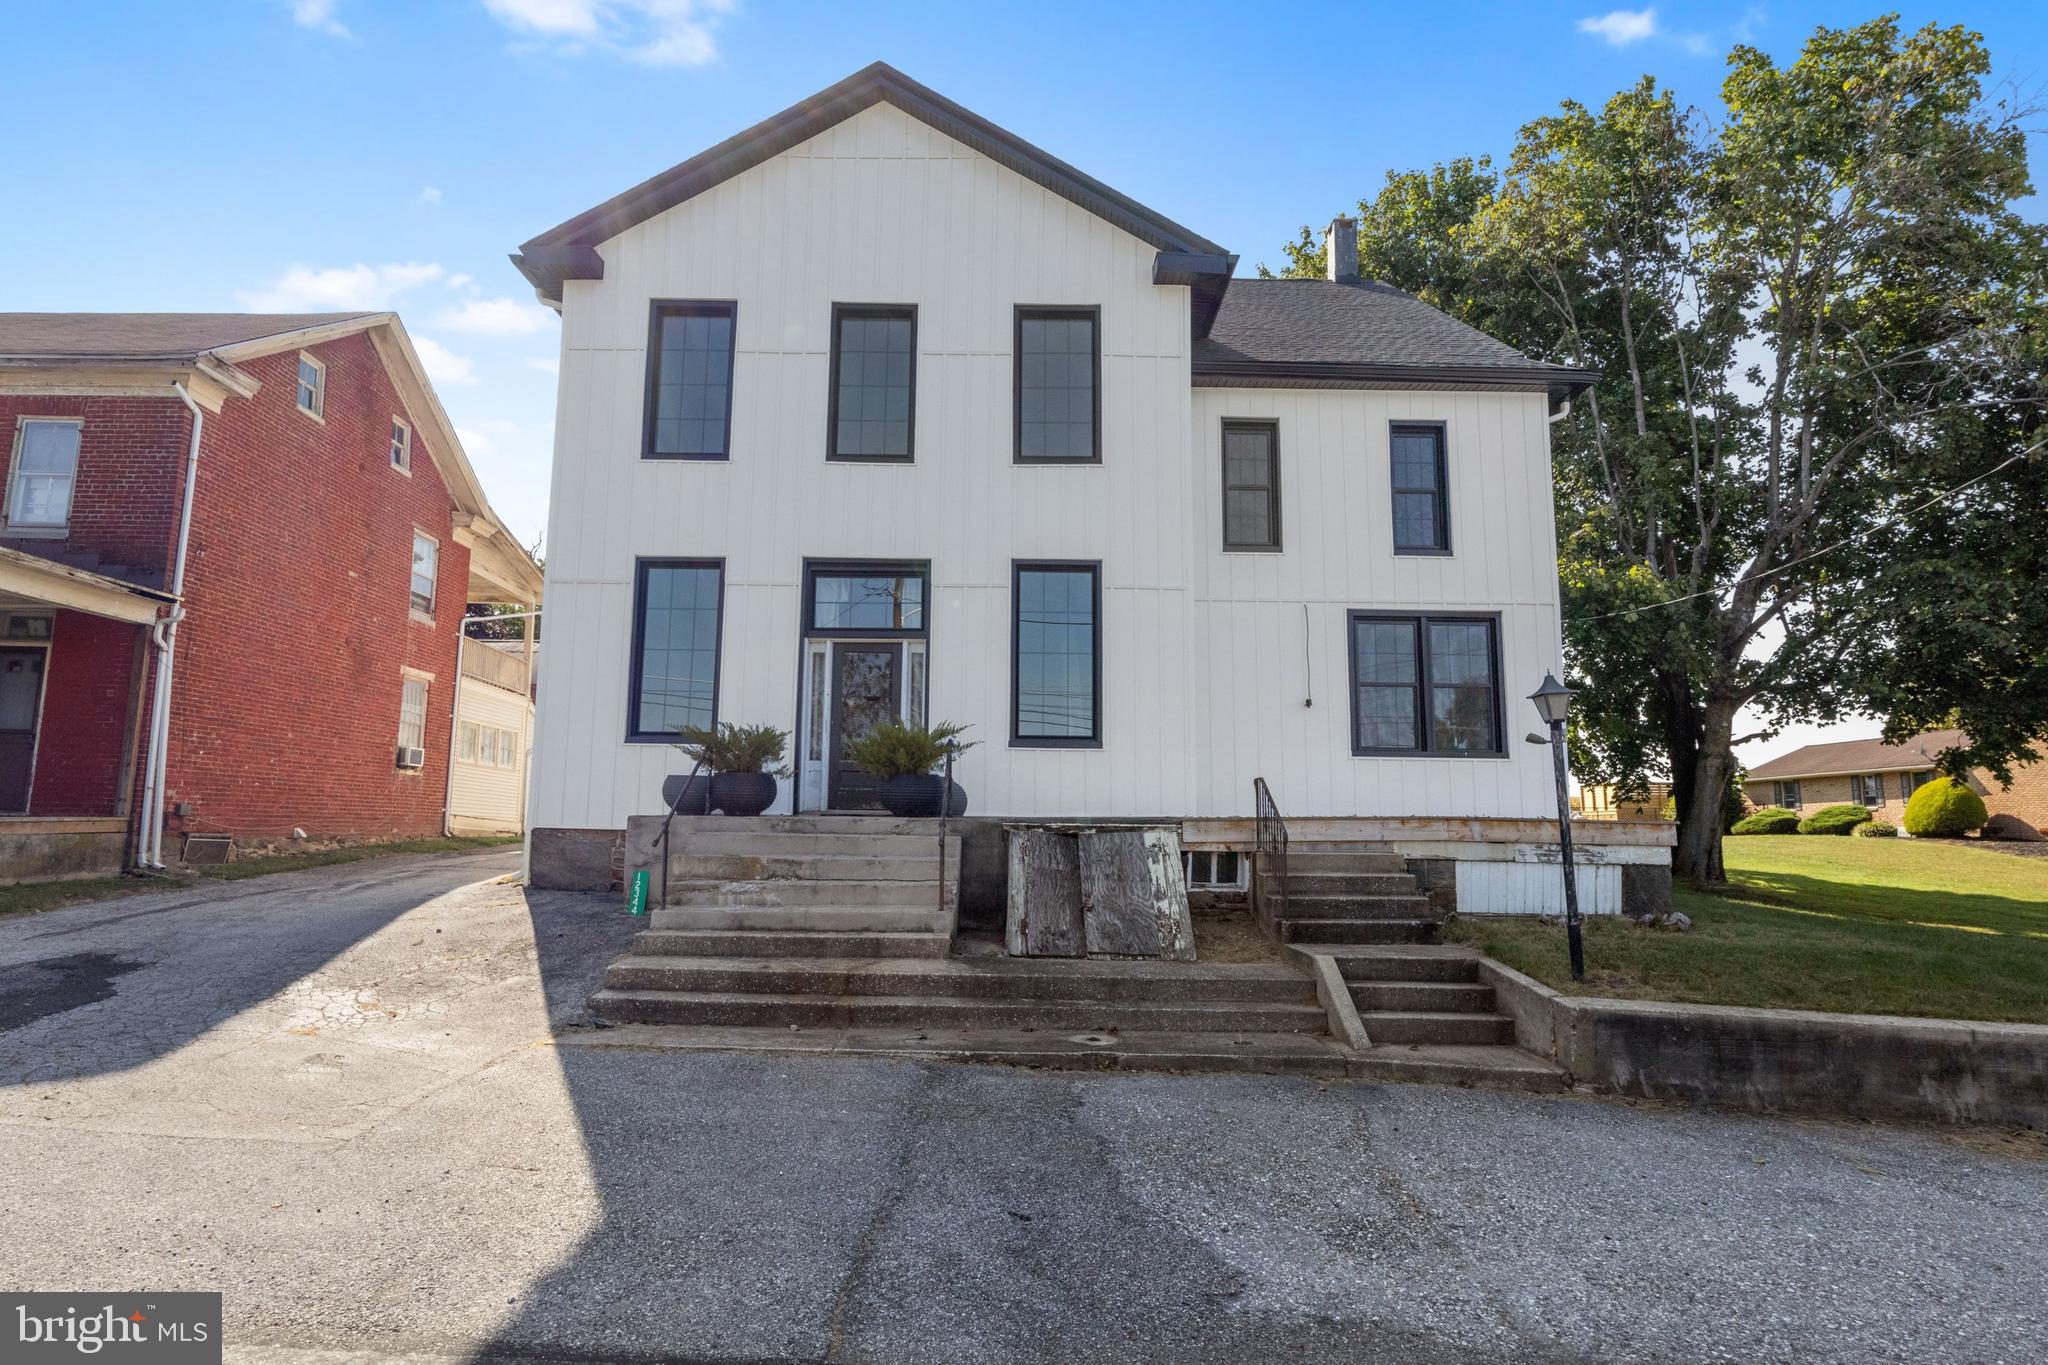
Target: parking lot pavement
column 334, row 1096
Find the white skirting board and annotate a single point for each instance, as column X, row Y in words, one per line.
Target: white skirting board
column 1534, row 889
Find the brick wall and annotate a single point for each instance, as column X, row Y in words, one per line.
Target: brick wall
column 2027, row 798
column 131, row 458
column 88, row 692
column 286, row 697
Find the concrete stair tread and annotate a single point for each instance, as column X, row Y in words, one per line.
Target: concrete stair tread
column 1013, row 980
column 1429, row 1016
column 1493, row 1066
column 802, row 944
column 1468, row 997
column 766, row 1009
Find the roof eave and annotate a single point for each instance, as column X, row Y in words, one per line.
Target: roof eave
column 1559, row 383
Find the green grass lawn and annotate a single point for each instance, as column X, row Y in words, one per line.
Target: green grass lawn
column 1868, row 926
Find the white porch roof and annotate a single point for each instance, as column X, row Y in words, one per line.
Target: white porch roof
column 30, row 580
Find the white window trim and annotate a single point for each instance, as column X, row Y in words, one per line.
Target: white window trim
column 41, row 530
column 404, row 465
column 426, row 682
column 433, row 601
column 318, row 412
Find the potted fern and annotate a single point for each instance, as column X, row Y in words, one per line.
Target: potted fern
column 906, row 758
column 738, row 756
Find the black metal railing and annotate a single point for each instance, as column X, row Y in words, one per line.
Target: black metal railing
column 1269, row 868
column 945, row 818
column 668, row 823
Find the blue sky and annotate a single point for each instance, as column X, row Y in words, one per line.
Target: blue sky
column 310, row 154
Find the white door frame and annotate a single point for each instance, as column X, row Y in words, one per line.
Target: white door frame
column 818, row 709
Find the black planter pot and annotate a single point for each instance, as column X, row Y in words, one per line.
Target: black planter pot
column 743, row 793
column 915, row 796
column 694, row 791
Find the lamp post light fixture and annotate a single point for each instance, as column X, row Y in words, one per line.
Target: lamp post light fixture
column 1554, row 702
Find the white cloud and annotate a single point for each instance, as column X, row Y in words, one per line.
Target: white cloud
column 482, row 439
column 303, row 289
column 1622, row 27
column 430, row 194
column 461, row 281
column 495, row 318
column 443, row 365
column 318, row 15
column 651, row 32
column 546, row 364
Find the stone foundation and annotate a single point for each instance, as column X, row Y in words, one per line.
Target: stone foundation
column 578, row 860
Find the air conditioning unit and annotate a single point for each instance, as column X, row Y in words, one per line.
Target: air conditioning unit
column 411, row 758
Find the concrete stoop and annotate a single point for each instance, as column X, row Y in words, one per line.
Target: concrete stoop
column 1338, row 895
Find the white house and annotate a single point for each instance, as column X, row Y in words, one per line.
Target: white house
column 877, row 409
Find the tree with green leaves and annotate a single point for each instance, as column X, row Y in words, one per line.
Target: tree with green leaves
column 1802, row 482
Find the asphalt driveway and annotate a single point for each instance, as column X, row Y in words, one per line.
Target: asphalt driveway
column 336, row 1096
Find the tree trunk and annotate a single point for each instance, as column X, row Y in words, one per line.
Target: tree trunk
column 1697, row 858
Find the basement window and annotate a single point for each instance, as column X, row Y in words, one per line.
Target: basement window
column 1214, row 870
column 311, row 393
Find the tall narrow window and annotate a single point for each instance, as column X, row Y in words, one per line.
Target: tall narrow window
column 874, row 382
column 676, row 620
column 1058, row 382
column 1424, row 685
column 426, row 564
column 689, row 381
column 311, row 392
column 1422, row 520
column 45, row 468
column 1251, row 485
column 401, row 445
column 412, row 723
column 1056, row 674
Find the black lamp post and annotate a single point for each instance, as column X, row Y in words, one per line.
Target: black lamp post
column 1553, row 702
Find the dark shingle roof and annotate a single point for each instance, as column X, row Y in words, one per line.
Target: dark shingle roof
column 144, row 336
column 1326, row 330
column 1859, row 756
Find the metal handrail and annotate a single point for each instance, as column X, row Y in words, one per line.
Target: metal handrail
column 668, row 823
column 1270, row 837
column 945, row 817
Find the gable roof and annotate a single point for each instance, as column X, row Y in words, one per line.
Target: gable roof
column 145, row 336
column 568, row 251
column 1859, row 756
column 1358, row 333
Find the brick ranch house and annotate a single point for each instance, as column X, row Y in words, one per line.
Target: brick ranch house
column 272, row 514
column 1870, row 772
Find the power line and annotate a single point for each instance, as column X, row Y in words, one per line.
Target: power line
column 1938, row 498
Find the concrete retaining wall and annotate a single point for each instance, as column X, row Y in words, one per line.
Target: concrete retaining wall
column 1785, row 1061
column 34, row 850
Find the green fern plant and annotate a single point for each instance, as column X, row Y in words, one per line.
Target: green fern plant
column 729, row 748
column 894, row 749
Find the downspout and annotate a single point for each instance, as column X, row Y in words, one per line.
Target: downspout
column 164, row 635
column 1561, row 413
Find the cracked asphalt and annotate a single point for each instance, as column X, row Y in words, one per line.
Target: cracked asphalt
column 334, row 1096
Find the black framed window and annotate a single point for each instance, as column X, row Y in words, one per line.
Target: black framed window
column 874, row 382
column 1251, row 485
column 1422, row 507
column 1056, row 655
column 689, row 381
column 1786, row 794
column 1059, row 385
column 865, row 599
column 1425, row 685
column 1867, row 789
column 678, row 619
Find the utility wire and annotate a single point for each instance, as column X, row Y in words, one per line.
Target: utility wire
column 1998, row 468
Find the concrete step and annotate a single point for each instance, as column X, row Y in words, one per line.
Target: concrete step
column 835, row 919
column 749, row 1010
column 1358, row 930
column 752, row 843
column 1008, row 979
column 1350, row 883
column 801, row 824
column 1325, row 857
column 788, row 943
column 1419, row 1026
column 737, row 867
column 1357, row 907
column 1494, row 1067
column 901, row 894
column 1408, row 962
column 1427, row 997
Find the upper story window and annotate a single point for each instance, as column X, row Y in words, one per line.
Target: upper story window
column 401, row 445
column 311, row 393
column 1059, row 386
column 874, row 382
column 1251, row 485
column 677, row 609
column 45, row 471
column 426, row 563
column 1422, row 513
column 1056, row 668
column 1424, row 684
column 689, row 381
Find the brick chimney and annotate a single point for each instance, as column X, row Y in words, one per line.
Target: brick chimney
column 1340, row 250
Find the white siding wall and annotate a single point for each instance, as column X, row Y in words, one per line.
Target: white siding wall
column 1274, row 630
column 1202, row 652
column 488, row 800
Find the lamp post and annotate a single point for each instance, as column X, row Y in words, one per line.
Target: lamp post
column 1553, row 702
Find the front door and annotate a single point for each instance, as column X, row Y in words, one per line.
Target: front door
column 21, row 702
column 866, row 682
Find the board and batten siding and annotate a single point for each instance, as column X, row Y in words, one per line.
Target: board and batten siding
column 1274, row 627
column 878, row 209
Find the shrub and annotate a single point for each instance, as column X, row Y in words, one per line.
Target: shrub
column 1876, row 829
column 1835, row 819
column 894, row 749
column 1944, row 808
column 733, row 748
column 1769, row 820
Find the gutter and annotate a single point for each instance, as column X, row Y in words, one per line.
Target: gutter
column 164, row 635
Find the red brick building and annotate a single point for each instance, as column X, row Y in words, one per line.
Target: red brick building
column 309, row 637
